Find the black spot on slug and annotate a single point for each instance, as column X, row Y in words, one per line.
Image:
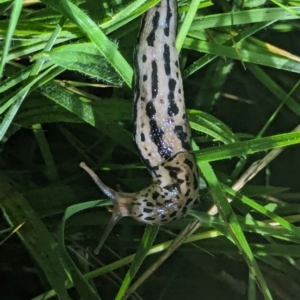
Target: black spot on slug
column 150, row 110
column 189, row 201
column 151, row 36
column 147, row 210
column 155, row 195
column 167, row 61
column 195, row 182
column 172, row 84
column 189, row 163
column 143, row 137
column 184, row 210
column 156, row 134
column 187, row 192
column 173, row 171
column 145, row 77
column 172, row 187
column 168, row 18
column 154, row 78
column 165, row 220
column 173, row 214
column 144, row 58
column 172, row 108
column 149, row 219
column 178, row 130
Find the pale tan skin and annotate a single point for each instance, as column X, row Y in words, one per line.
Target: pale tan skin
column 161, row 129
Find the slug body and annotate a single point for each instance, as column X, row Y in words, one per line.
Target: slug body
column 161, row 129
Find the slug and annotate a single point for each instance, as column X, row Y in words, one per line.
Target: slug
column 161, row 129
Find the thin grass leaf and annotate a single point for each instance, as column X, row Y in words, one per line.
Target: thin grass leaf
column 88, row 113
column 285, row 224
column 186, row 24
column 243, row 17
column 84, row 288
column 274, row 88
column 126, row 15
column 16, row 101
column 248, row 147
column 144, row 247
column 207, row 124
column 33, row 234
column 14, row 17
column 288, row 9
column 51, row 169
column 84, row 58
column 234, row 230
column 238, row 38
column 17, row 77
column 268, row 59
column 95, row 34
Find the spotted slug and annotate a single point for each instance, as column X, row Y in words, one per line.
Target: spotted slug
column 161, row 129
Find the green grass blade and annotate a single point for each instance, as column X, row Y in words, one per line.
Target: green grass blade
column 81, row 107
column 96, row 35
column 233, row 227
column 243, row 17
column 208, row 124
column 80, row 282
column 187, row 23
column 15, row 102
column 33, row 234
column 144, row 247
column 51, row 169
column 84, row 58
column 238, row 38
column 14, row 17
column 126, row 15
column 249, row 147
column 265, row 59
column 264, row 211
column 274, row 88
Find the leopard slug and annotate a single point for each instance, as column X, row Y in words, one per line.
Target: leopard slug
column 161, row 129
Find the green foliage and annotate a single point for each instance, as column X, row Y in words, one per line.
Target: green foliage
column 66, row 97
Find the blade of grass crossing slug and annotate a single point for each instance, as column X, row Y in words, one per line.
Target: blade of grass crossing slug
column 234, row 229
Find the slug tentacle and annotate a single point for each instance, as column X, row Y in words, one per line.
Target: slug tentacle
column 161, row 129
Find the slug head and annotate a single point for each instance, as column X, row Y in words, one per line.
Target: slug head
column 173, row 191
column 122, row 203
